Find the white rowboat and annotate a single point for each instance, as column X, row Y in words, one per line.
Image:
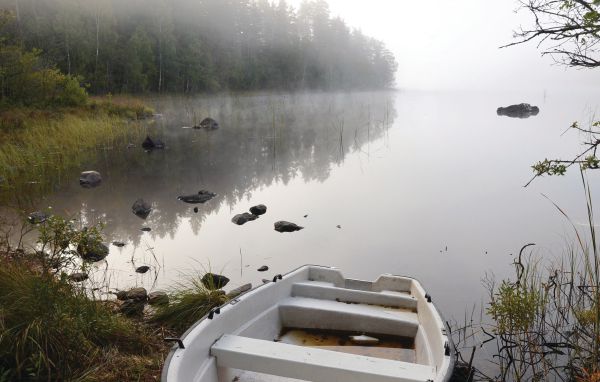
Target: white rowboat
column 315, row 325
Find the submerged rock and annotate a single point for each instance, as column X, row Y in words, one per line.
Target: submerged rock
column 141, row 208
column 93, row 252
column 283, row 226
column 238, row 291
column 78, row 277
column 37, row 217
column 202, row 196
column 90, row 179
column 261, row 209
column 150, row 144
column 213, row 281
column 158, row 298
column 142, row 269
column 522, row 110
column 241, row 219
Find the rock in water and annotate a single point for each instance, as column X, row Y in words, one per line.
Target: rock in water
column 238, row 291
column 202, row 196
column 146, row 229
column 37, row 217
column 138, row 294
column 122, row 295
column 142, row 269
column 264, row 268
column 118, row 244
column 93, row 252
column 141, row 208
column 209, row 124
column 283, row 226
column 261, row 209
column 213, row 281
column 90, row 179
column 522, row 110
column 150, row 144
column 78, row 277
column 158, row 298
column 244, row 218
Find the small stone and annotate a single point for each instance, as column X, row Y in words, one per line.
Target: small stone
column 266, row 281
column 339, row 226
column 132, row 307
column 238, row 291
column 78, row 277
column 196, row 209
column 283, row 226
column 209, row 124
column 261, row 209
column 241, row 219
column 158, row 298
column 141, row 208
column 37, row 217
column 264, row 268
column 118, row 244
column 139, row 294
column 142, row 269
column 93, row 252
column 146, row 229
column 90, row 179
column 202, row 196
column 122, row 295
column 213, row 281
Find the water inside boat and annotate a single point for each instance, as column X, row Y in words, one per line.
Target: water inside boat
column 388, row 347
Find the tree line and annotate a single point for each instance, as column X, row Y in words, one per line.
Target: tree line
column 187, row 46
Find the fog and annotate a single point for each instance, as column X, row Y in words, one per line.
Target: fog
column 443, row 44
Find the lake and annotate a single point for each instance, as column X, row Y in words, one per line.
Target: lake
column 426, row 184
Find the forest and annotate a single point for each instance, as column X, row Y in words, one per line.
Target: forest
column 189, row 46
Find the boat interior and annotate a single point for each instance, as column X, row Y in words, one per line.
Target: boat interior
column 315, row 325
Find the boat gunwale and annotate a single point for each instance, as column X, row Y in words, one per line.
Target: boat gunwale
column 447, row 334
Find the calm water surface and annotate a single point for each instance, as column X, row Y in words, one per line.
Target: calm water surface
column 422, row 184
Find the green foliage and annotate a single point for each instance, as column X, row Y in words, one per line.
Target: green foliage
column 514, row 307
column 50, row 330
column 188, row 304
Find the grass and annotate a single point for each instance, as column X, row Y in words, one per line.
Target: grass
column 38, row 146
column 188, row 303
column 544, row 322
column 51, row 330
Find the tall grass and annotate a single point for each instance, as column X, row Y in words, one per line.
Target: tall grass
column 545, row 321
column 37, row 147
column 50, row 329
column 189, row 302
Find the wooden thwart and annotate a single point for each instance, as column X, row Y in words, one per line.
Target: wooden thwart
column 312, row 364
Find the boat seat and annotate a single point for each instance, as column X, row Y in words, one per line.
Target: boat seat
column 310, row 313
column 312, row 364
column 324, row 291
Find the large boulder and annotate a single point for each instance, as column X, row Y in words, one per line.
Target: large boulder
column 141, row 208
column 283, row 226
column 241, row 219
column 132, row 307
column 261, row 209
column 92, row 252
column 90, row 179
column 202, row 196
column 522, row 110
column 213, row 281
column 138, row 294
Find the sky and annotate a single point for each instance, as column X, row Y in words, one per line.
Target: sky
column 442, row 44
